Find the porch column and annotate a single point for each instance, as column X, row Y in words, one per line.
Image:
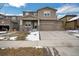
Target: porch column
column 21, row 23
column 38, row 24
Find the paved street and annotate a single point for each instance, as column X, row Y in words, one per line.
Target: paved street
column 60, row 41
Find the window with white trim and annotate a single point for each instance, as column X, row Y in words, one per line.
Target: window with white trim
column 47, row 13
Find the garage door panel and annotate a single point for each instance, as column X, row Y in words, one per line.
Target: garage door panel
column 46, row 25
column 49, row 25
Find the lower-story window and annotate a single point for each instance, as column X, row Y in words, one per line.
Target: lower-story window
column 28, row 24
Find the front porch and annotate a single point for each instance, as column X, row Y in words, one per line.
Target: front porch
column 30, row 25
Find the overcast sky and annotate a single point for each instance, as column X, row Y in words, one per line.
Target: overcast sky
column 17, row 8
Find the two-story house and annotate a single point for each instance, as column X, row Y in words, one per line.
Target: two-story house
column 43, row 19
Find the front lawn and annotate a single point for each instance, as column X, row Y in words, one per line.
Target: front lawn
column 14, row 36
column 28, row 51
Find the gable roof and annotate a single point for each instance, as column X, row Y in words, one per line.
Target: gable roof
column 47, row 8
column 74, row 18
column 68, row 16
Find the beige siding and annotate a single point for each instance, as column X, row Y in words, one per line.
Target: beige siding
column 66, row 23
column 52, row 17
column 78, row 23
column 70, row 25
column 48, row 23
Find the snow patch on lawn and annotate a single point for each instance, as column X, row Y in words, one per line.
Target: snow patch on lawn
column 73, row 31
column 1, row 38
column 38, row 47
column 10, row 38
column 13, row 38
column 2, row 48
column 77, row 35
column 33, row 36
column 3, row 32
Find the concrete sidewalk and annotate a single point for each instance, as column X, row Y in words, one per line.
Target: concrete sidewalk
column 44, row 43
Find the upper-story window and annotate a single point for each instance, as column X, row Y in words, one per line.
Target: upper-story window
column 47, row 13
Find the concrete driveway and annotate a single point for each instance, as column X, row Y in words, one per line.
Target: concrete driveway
column 56, row 35
column 60, row 43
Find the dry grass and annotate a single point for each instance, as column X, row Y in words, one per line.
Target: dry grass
column 23, row 52
column 20, row 35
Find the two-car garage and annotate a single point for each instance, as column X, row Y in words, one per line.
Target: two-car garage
column 46, row 25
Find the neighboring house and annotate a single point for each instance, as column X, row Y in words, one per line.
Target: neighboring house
column 14, row 22
column 65, row 21
column 4, row 23
column 74, row 23
column 9, row 23
column 43, row 19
